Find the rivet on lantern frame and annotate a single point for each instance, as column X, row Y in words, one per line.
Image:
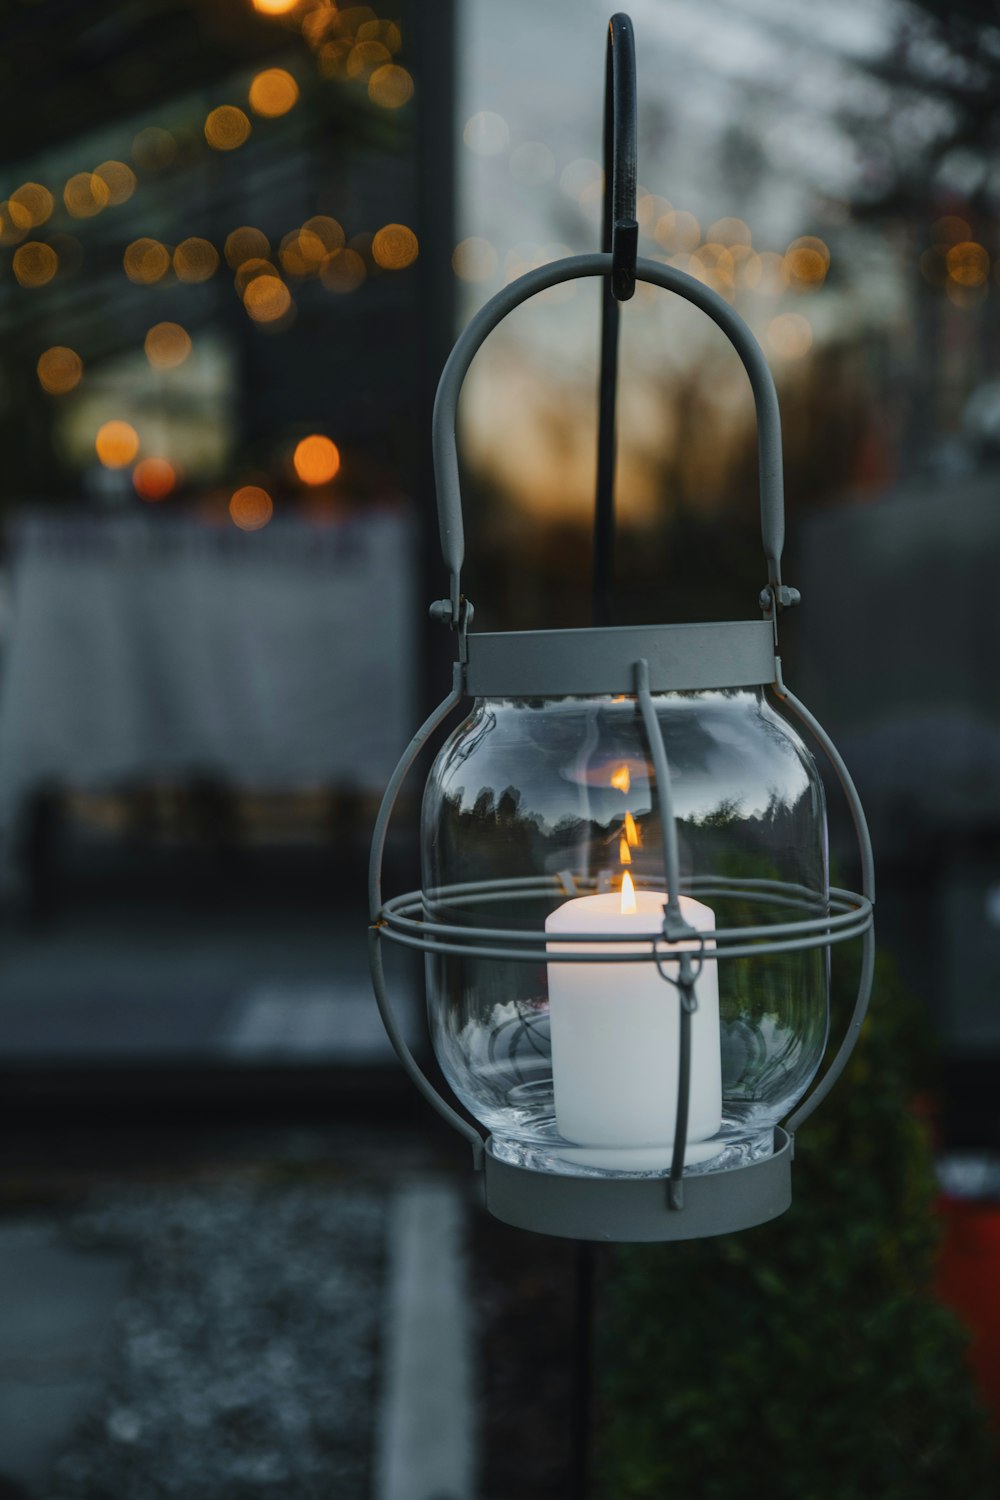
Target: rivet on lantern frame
column 635, row 663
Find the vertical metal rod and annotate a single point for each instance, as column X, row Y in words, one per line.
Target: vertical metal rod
column 583, row 1365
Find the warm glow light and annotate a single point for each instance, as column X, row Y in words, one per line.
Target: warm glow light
column 624, row 852
column 628, row 895
column 117, row 444
column 327, row 230
column 487, row 133
column 267, row 299
column 789, row 336
column 474, row 260
column 316, row 459
column 59, row 370
column 390, row 86
column 807, row 261
column 146, row 261
column 30, row 206
column 119, row 180
column 343, row 271
column 195, row 260
column 246, row 243
column 154, row 478
column 678, row 231
column 374, row 30
column 394, row 247
column 274, row 7
column 35, row 263
column 85, row 194
column 226, row 128
column 333, row 58
column 251, row 507
column 631, row 832
column 621, row 778
column 302, row 252
column 273, row 92
column 167, row 345
column 968, row 263
column 365, row 57
column 10, row 234
column 153, row 149
column 251, row 268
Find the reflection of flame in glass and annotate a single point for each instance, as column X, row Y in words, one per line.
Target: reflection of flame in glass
column 624, row 852
column 631, row 832
column 628, row 895
column 621, row 778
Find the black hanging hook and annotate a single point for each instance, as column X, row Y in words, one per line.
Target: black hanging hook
column 619, row 238
column 620, row 232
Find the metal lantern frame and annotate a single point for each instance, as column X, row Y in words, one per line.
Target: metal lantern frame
column 636, row 661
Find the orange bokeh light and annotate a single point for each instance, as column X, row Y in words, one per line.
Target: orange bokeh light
column 246, row 243
column 154, row 478
column 273, row 92
column 30, row 205
column 390, row 86
column 146, row 261
column 274, row 7
column 394, row 247
column 316, row 459
column 167, row 345
column 267, row 298
column 35, row 263
column 251, row 507
column 195, row 260
column 59, row 370
column 226, row 128
column 117, row 444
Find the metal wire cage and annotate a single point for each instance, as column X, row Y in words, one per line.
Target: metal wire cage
column 637, row 797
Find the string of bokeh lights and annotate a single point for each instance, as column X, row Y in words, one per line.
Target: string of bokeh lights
column 351, row 45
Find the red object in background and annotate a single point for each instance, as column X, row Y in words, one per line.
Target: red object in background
column 968, row 1281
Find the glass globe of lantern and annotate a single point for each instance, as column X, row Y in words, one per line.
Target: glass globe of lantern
column 572, row 1068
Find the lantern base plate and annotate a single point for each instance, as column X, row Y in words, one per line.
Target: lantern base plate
column 636, row 1209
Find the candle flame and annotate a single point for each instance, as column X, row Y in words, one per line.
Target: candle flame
column 631, row 833
column 624, row 852
column 628, row 895
column 621, row 778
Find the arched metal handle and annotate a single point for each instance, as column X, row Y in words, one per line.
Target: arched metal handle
column 449, row 496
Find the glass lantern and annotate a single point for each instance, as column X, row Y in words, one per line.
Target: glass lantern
column 559, row 795
column 625, row 914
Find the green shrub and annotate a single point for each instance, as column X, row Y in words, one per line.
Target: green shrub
column 806, row 1359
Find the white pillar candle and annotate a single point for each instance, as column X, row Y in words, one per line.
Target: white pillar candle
column 616, row 1039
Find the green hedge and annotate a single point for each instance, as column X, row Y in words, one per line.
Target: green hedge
column 807, row 1359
